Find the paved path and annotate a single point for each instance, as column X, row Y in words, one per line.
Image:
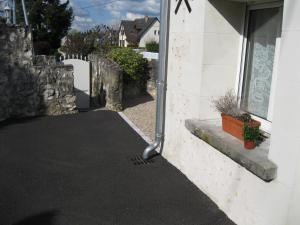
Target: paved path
column 83, row 170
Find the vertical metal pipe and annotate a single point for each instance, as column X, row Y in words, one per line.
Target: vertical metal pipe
column 14, row 11
column 161, row 81
column 25, row 13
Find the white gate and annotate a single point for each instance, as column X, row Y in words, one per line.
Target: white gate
column 81, row 81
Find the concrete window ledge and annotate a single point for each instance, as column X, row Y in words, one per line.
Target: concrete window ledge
column 256, row 160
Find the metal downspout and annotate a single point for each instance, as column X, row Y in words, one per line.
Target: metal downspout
column 25, row 13
column 14, row 11
column 161, row 80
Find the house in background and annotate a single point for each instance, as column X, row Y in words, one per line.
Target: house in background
column 139, row 31
column 6, row 9
column 253, row 48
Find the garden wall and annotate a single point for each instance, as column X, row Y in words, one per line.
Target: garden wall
column 31, row 86
column 153, row 74
column 106, row 83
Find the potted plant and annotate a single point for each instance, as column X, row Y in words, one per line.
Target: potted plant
column 234, row 120
column 251, row 135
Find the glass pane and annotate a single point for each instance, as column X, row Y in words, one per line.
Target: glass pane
column 262, row 33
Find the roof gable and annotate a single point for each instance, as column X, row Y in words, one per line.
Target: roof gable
column 149, row 23
column 134, row 29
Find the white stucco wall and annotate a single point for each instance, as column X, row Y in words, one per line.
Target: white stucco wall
column 122, row 37
column 204, row 56
column 285, row 149
column 149, row 35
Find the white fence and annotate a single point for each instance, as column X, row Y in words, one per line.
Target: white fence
column 147, row 55
column 81, row 78
column 150, row 55
column 73, row 56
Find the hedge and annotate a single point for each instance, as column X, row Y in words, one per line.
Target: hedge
column 134, row 66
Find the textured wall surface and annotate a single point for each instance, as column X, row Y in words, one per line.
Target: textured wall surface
column 106, row 83
column 31, row 86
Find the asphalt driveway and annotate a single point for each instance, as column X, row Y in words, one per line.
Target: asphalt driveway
column 85, row 169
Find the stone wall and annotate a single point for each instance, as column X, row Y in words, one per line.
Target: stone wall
column 153, row 74
column 55, row 86
column 31, row 86
column 106, row 83
column 15, row 45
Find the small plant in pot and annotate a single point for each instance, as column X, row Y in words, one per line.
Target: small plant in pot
column 234, row 120
column 251, row 135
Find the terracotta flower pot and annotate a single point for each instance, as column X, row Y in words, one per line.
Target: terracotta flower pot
column 235, row 127
column 249, row 145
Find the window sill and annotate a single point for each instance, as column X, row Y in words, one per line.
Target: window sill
column 256, row 160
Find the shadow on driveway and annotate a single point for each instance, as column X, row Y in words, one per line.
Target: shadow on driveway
column 85, row 169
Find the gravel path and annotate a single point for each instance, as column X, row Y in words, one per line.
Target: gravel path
column 141, row 111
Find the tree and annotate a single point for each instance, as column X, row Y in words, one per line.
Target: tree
column 103, row 36
column 50, row 21
column 99, row 39
column 75, row 43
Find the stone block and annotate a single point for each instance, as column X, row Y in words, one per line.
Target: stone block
column 106, row 83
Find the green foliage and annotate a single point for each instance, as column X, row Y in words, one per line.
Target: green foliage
column 135, row 67
column 251, row 133
column 50, row 21
column 152, row 46
column 245, row 117
column 132, row 45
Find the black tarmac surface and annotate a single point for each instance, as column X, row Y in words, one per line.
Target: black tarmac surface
column 84, row 170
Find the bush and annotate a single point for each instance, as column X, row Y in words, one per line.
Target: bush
column 132, row 45
column 152, row 46
column 135, row 68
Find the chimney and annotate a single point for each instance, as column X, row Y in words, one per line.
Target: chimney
column 146, row 18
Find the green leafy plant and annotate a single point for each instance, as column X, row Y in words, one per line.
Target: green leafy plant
column 152, row 46
column 245, row 117
column 134, row 66
column 251, row 132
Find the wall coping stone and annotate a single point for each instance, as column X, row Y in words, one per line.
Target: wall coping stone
column 256, row 160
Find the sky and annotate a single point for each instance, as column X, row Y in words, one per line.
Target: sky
column 88, row 13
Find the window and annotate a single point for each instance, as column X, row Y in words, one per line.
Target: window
column 258, row 73
column 154, row 32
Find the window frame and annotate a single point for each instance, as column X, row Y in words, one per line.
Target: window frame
column 266, row 124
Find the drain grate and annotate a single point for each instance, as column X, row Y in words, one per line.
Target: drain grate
column 138, row 160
